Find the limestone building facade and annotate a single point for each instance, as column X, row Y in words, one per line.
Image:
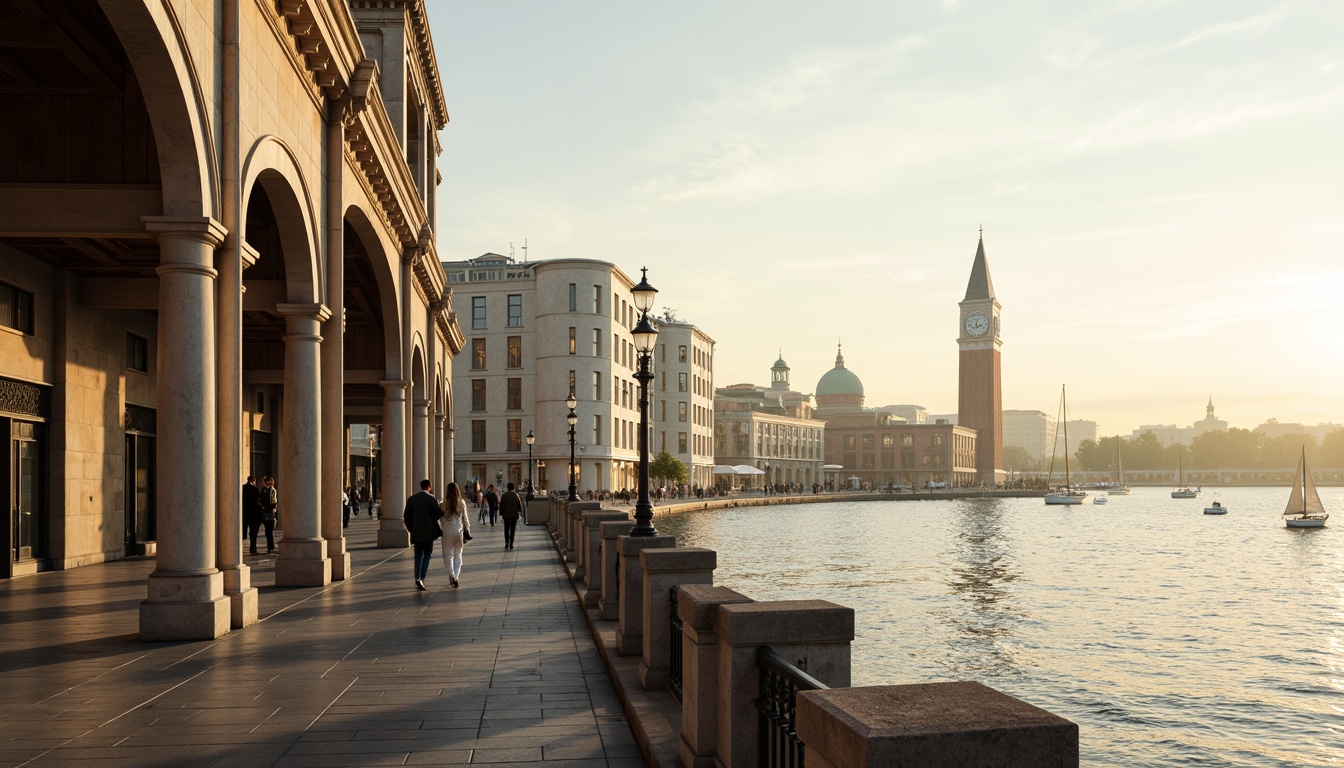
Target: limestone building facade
column 770, row 429
column 683, row 419
column 234, row 266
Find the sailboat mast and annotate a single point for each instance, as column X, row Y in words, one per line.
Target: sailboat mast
column 1064, row 399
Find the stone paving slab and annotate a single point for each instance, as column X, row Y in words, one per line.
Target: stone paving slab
column 364, row 672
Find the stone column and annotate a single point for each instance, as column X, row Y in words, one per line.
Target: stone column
column 437, row 476
column 303, row 560
column 391, row 529
column 186, row 591
column 938, row 725
column 664, row 570
column 698, row 604
column 229, row 461
column 608, row 607
column 591, row 552
column 630, row 612
column 814, row 635
column 334, row 445
column 420, row 444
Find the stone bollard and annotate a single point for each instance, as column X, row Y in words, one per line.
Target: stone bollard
column 814, row 635
column 630, row 576
column 665, row 569
column 539, row 511
column 608, row 608
column 589, row 571
column 697, row 604
column 937, row 725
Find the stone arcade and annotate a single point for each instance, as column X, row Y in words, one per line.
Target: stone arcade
column 178, row 175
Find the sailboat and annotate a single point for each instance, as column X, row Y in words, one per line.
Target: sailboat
column 1182, row 491
column 1119, row 489
column 1305, row 509
column 1066, row 493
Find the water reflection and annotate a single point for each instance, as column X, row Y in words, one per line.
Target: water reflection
column 980, row 573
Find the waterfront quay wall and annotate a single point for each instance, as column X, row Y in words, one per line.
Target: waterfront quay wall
column 711, row 678
column 728, row 502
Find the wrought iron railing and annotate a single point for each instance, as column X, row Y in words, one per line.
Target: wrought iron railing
column 778, row 745
column 674, row 646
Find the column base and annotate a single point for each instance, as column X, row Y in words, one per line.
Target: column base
column 392, row 534
column 340, row 559
column 302, row 563
column 653, row 677
column 184, row 607
column 627, row 645
column 688, row 756
column 242, row 596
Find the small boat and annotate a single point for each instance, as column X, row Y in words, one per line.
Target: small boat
column 1183, row 491
column 1066, row 494
column 1216, row 508
column 1305, row 509
column 1118, row 488
column 1099, row 499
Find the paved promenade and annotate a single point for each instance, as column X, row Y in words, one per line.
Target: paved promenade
column 368, row 671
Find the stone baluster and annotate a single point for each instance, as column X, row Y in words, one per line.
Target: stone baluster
column 608, row 607
column 665, row 569
column 814, row 635
column 697, row 605
column 630, row 612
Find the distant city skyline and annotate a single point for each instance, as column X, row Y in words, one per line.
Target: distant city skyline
column 1159, row 186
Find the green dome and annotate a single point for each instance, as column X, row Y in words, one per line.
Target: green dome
column 839, row 380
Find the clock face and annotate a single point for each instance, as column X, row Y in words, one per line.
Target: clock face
column 977, row 324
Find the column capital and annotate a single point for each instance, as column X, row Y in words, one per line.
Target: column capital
column 249, row 255
column 318, row 312
column 395, row 388
column 202, row 228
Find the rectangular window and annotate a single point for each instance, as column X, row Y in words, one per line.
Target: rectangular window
column 515, row 435
column 478, row 394
column 681, row 382
column 16, row 309
column 597, row 299
column 937, row 439
column 478, row 436
column 573, row 297
column 662, row 406
column 515, row 395
column 681, row 353
column 477, row 311
column 616, row 345
column 515, row 310
column 615, row 390
column 597, row 430
column 478, row 472
column 681, row 442
column 515, row 352
column 681, row 411
column 868, row 442
column 573, row 340
column 571, row 383
column 851, row 442
column 137, row 353
column 597, row 342
column 597, row 386
column 888, row 441
column 478, row 354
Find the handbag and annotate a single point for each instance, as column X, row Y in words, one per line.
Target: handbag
column 466, row 535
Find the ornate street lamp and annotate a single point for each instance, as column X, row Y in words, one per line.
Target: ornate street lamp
column 573, row 418
column 645, row 334
column 531, row 438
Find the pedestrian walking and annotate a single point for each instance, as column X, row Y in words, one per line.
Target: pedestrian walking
column 270, row 513
column 492, row 502
column 456, row 529
column 480, row 502
column 252, row 511
column 345, row 507
column 510, row 509
column 421, row 517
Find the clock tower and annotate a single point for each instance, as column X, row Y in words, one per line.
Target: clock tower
column 980, row 401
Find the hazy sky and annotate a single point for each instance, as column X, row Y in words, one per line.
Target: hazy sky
column 1159, row 183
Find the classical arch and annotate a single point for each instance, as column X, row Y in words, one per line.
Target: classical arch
column 385, row 283
column 271, row 165
column 183, row 131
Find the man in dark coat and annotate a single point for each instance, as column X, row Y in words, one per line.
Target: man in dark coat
column 422, row 521
column 251, row 511
column 492, row 502
column 510, row 509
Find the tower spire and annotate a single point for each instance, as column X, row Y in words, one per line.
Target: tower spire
column 980, row 285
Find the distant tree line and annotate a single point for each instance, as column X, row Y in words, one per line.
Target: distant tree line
column 1233, row 449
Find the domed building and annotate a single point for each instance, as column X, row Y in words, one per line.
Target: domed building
column 839, row 387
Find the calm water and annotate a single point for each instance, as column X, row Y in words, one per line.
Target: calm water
column 1172, row 638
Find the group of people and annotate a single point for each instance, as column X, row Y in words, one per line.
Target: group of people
column 260, row 509
column 428, row 519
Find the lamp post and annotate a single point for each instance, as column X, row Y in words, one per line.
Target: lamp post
column 531, row 438
column 645, row 335
column 572, row 418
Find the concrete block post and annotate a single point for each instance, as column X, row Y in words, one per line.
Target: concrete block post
column 539, row 511
column 608, row 607
column 665, row 569
column 698, row 604
column 937, row 725
column 572, row 512
column 590, row 553
column 814, row 635
column 630, row 611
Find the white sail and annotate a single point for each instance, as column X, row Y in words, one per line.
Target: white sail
column 1312, row 501
column 1295, row 498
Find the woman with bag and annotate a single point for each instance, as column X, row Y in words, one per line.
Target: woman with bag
column 456, row 531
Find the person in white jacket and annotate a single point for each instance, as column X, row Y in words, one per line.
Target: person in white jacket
column 456, row 531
